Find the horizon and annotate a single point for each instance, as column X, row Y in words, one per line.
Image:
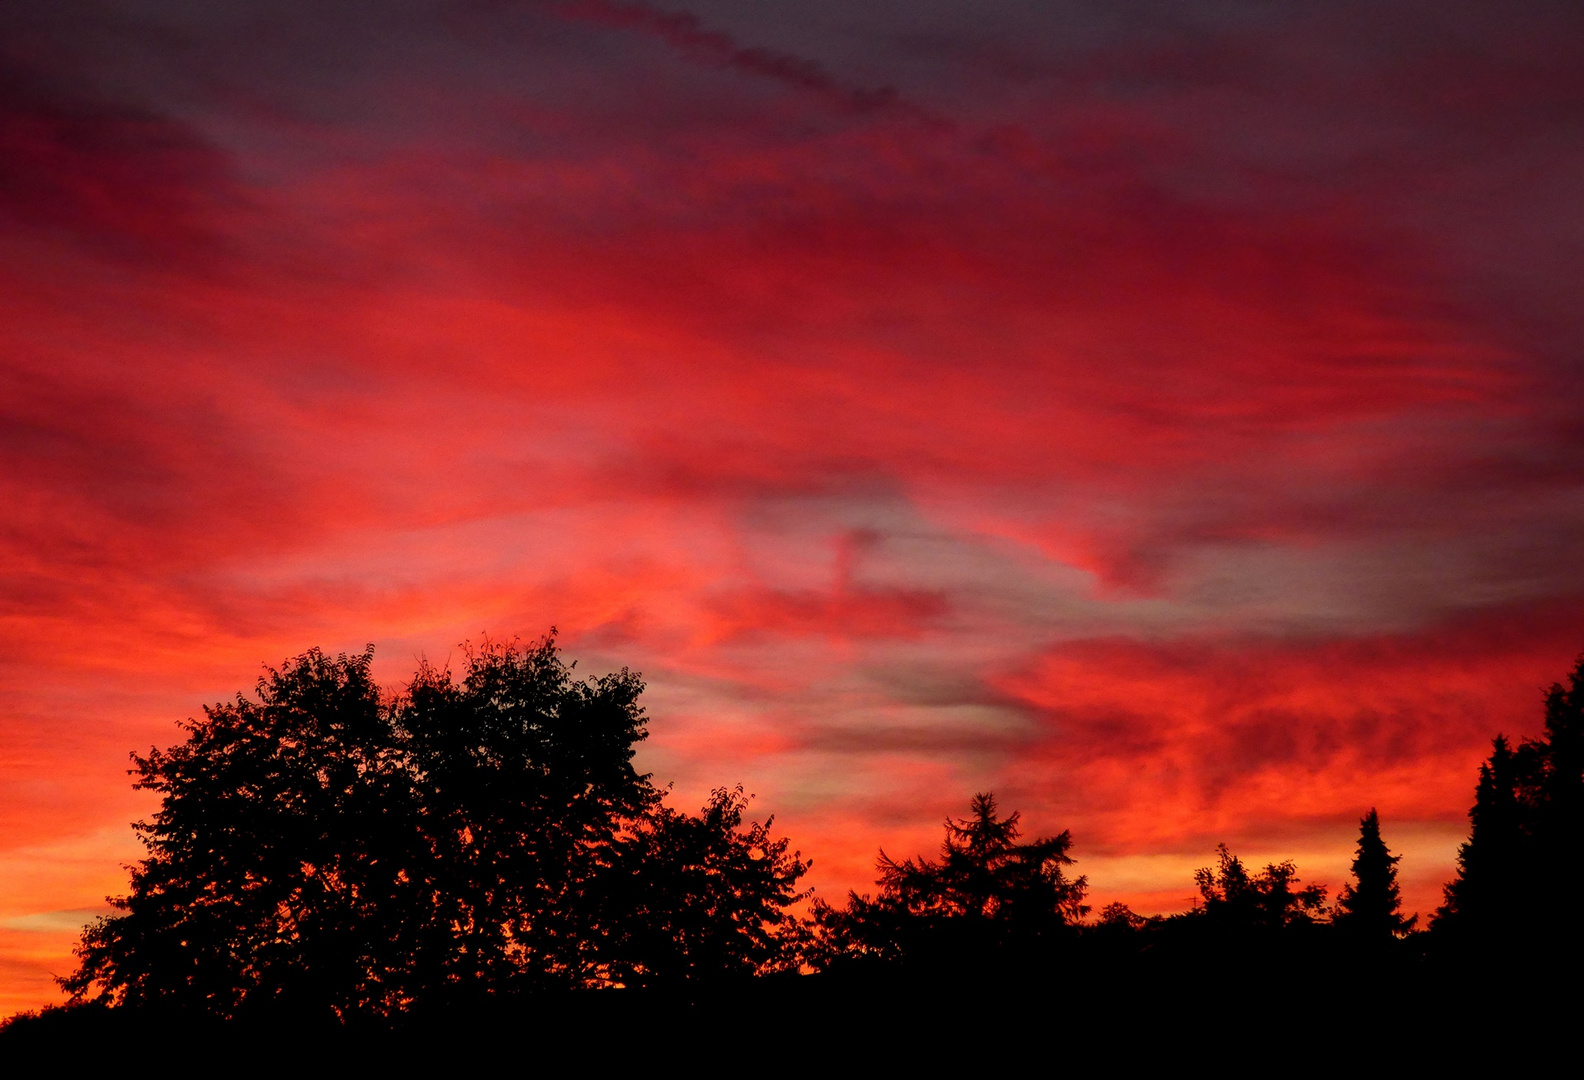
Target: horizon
column 1167, row 420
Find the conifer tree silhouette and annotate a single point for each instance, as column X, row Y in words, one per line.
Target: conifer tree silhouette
column 1520, row 865
column 987, row 898
column 1370, row 909
column 984, row 873
column 1559, row 826
column 1483, row 893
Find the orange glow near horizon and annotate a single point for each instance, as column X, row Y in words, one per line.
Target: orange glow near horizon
column 1158, row 430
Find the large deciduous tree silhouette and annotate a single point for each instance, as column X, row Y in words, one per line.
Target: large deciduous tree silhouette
column 286, row 863
column 325, row 849
column 526, row 781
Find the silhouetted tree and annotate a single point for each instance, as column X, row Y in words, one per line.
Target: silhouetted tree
column 1370, row 910
column 1558, row 823
column 526, row 778
column 1235, row 900
column 699, row 899
column 1485, row 891
column 1119, row 916
column 328, row 850
column 985, row 874
column 987, row 895
column 1119, row 930
column 1519, row 867
column 253, row 889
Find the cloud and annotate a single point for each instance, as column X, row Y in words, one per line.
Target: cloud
column 688, row 33
column 127, row 182
column 1162, row 417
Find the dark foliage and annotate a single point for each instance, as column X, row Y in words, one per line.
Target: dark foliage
column 324, row 851
column 346, row 859
column 987, row 899
column 700, row 899
column 1519, row 868
column 525, row 780
column 1370, row 910
column 286, row 862
column 1233, row 900
column 1119, row 917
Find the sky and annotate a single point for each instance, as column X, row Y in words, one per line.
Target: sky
column 1166, row 416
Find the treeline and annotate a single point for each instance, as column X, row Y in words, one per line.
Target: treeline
column 339, row 855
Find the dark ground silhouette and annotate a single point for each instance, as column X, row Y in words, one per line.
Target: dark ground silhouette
column 476, row 862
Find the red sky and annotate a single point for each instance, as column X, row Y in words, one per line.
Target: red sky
column 1165, row 416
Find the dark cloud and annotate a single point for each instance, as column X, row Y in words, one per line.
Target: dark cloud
column 689, row 34
column 123, row 180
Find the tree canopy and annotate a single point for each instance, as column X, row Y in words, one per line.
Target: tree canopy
column 325, row 848
column 700, row 897
column 987, row 895
column 1237, row 900
column 1520, row 863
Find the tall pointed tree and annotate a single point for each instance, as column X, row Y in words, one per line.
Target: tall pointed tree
column 1371, row 908
column 1520, row 866
column 1519, row 873
column 1558, row 828
column 1484, row 892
